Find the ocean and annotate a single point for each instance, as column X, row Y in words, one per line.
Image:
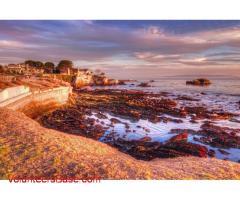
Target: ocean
column 221, row 95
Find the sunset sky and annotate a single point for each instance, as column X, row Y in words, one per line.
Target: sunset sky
column 127, row 49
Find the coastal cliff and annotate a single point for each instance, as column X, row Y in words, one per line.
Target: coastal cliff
column 30, row 150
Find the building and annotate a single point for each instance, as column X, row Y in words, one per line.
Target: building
column 22, row 69
column 14, row 69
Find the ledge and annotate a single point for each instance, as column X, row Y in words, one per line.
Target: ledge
column 20, row 99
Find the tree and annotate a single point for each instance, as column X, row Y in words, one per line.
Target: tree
column 49, row 67
column 33, row 63
column 49, row 64
column 39, row 64
column 30, row 63
column 1, row 69
column 64, row 65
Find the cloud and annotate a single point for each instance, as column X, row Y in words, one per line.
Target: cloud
column 10, row 44
column 96, row 44
column 156, row 58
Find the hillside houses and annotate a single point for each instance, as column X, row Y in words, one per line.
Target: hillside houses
column 21, row 69
column 78, row 77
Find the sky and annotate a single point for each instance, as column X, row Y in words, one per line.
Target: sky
column 127, row 49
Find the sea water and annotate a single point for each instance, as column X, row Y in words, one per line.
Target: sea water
column 222, row 95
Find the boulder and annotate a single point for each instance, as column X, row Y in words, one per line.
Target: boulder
column 144, row 84
column 188, row 148
column 145, row 149
column 199, row 82
column 80, row 81
column 179, row 138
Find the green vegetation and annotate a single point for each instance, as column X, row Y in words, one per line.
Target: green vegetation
column 49, row 67
column 32, row 63
column 63, row 65
column 1, row 69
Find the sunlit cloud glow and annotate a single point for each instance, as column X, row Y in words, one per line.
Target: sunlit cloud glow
column 117, row 46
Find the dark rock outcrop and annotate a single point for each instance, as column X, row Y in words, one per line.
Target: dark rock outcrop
column 177, row 146
column 221, row 137
column 199, row 82
column 144, row 84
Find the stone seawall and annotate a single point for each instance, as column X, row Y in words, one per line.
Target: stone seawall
column 17, row 98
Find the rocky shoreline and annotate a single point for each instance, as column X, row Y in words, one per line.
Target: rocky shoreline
column 29, row 150
column 87, row 116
